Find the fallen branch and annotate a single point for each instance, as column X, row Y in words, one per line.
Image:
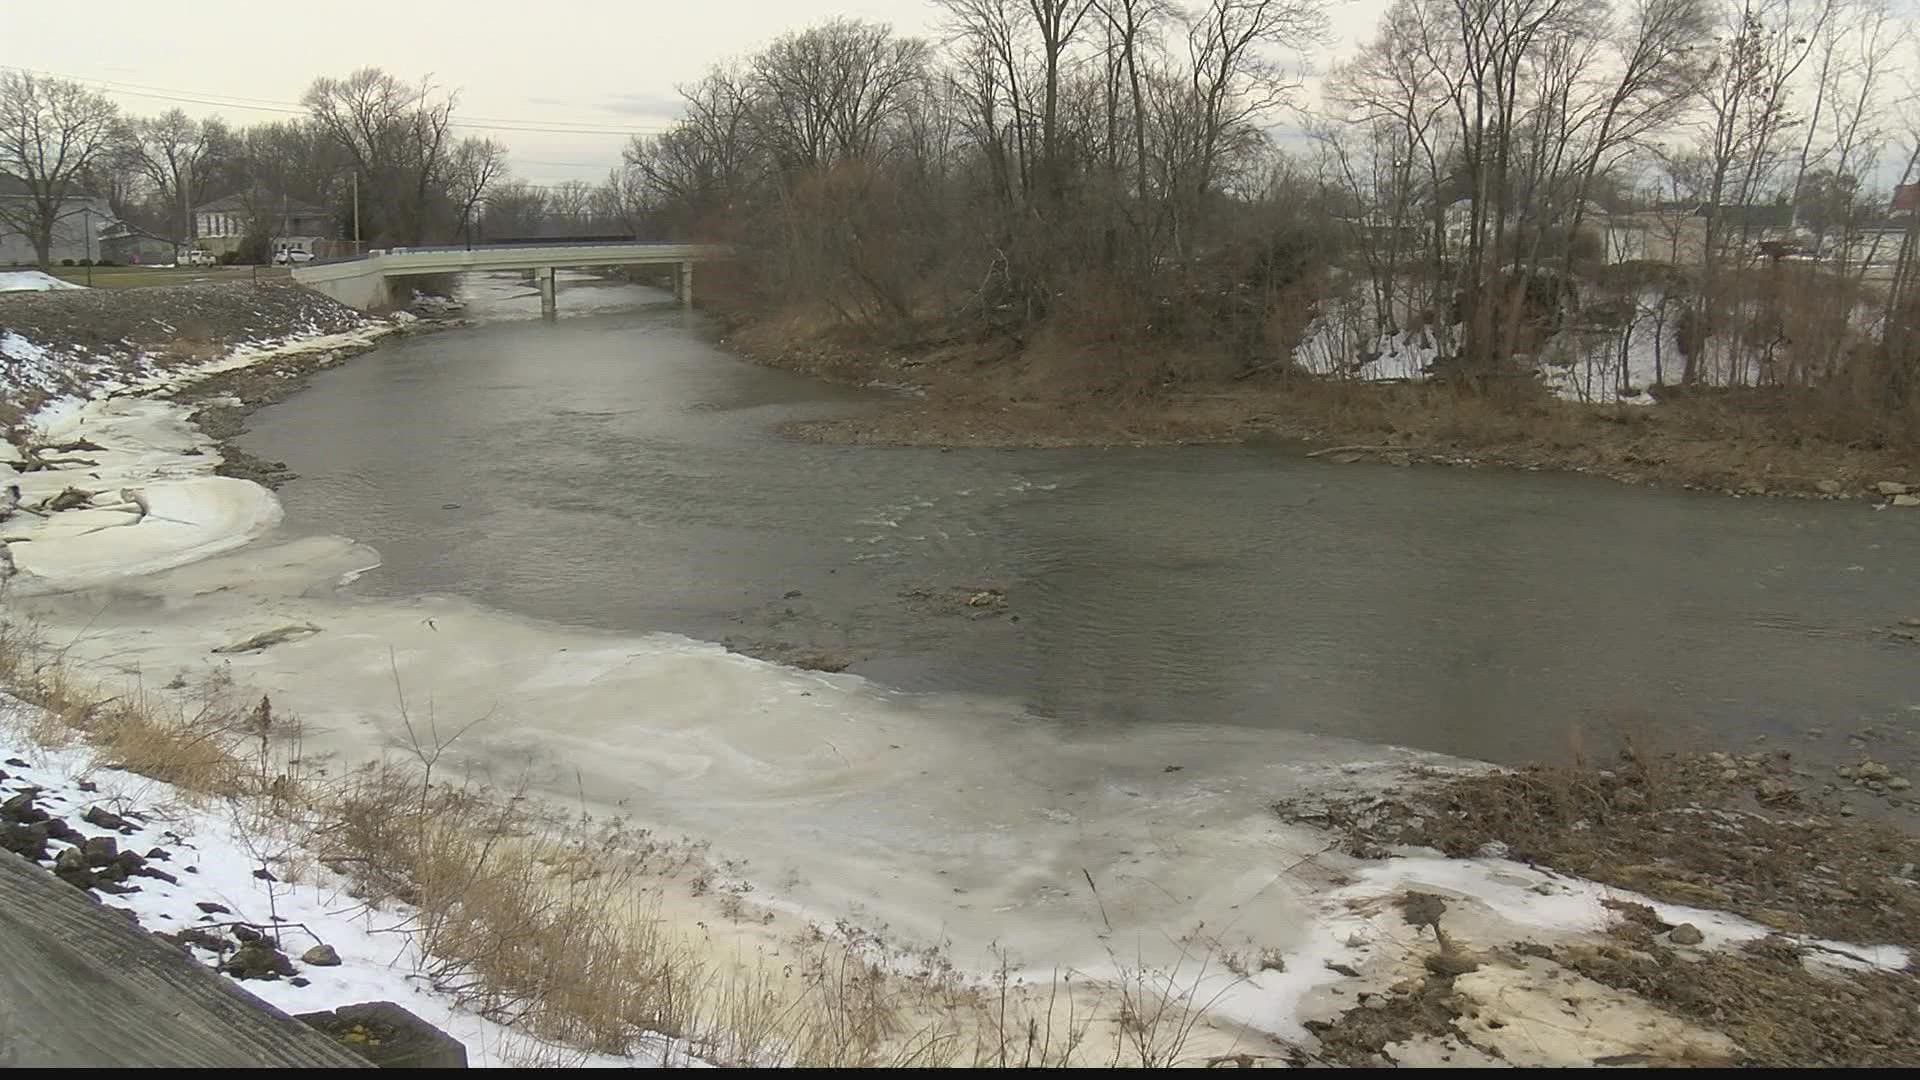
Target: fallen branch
column 1364, row 450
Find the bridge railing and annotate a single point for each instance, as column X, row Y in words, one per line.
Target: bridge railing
column 509, row 246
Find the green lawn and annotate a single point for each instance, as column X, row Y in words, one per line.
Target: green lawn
column 137, row 277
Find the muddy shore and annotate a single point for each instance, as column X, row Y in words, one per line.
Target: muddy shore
column 977, row 396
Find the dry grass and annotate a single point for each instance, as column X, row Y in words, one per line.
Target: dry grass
column 1716, row 831
column 1765, row 998
column 1051, row 392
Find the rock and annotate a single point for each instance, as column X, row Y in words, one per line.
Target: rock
column 321, row 956
column 1847, row 811
column 1775, row 792
column 100, row 850
column 1543, row 888
column 18, row 763
column 1686, row 934
column 1493, row 849
column 1720, row 759
column 1845, row 772
column 29, row 841
column 212, row 908
column 106, row 819
column 1892, row 487
column 257, row 960
column 1827, row 487
column 1899, row 783
column 247, row 934
column 791, row 594
column 1872, row 770
column 1729, row 775
column 193, row 935
column 1629, row 799
column 302, row 980
column 159, row 854
column 20, row 808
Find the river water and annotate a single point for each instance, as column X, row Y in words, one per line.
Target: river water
column 616, row 470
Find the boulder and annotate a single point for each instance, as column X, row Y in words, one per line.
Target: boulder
column 100, row 850
column 1827, row 487
column 321, row 956
column 1906, row 500
column 1872, row 770
column 106, row 819
column 1686, row 934
column 257, row 960
column 1892, row 487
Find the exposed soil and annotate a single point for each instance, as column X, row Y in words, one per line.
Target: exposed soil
column 1739, row 834
column 221, row 404
column 1765, row 998
column 981, row 395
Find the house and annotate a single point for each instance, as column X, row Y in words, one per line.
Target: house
column 1676, row 232
column 76, row 228
column 122, row 243
column 224, row 225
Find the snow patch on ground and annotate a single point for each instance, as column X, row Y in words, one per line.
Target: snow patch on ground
column 214, row 850
column 32, row 281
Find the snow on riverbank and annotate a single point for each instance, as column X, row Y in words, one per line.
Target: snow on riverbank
column 959, row 824
column 214, row 851
column 148, row 497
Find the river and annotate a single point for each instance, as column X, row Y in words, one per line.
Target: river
column 616, row 470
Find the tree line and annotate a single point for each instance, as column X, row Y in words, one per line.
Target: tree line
column 370, row 141
column 1508, row 183
column 1513, row 183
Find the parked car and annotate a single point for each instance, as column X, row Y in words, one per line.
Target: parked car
column 287, row 256
column 196, row 257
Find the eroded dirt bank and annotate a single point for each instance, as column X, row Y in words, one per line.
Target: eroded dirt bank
column 983, row 394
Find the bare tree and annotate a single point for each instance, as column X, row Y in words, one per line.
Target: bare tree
column 51, row 133
column 180, row 156
column 477, row 165
column 398, row 136
column 826, row 93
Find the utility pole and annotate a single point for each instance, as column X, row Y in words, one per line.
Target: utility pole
column 357, row 249
column 86, row 225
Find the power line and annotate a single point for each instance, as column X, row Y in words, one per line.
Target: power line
column 226, row 101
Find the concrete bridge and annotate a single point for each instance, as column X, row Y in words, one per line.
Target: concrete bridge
column 370, row 281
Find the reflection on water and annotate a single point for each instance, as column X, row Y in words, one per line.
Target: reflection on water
column 612, row 469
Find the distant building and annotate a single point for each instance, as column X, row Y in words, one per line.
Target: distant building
column 224, row 225
column 76, row 228
column 1676, row 233
column 121, row 243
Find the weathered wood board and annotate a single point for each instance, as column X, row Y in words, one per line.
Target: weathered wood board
column 82, row 985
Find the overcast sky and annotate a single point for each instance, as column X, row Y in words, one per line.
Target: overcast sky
column 601, row 68
column 590, row 71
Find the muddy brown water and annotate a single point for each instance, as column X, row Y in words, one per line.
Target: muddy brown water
column 616, row 469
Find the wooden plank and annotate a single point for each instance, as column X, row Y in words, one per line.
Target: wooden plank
column 82, row 985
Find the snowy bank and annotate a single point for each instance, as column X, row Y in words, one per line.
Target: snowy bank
column 32, row 281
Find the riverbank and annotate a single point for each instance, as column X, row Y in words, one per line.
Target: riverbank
column 1124, row 889
column 972, row 394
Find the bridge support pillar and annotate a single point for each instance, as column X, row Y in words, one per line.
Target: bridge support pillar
column 549, row 306
column 683, row 285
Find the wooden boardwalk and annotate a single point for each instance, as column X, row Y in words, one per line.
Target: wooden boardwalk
column 82, row 985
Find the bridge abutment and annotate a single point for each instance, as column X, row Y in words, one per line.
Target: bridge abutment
column 549, row 302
